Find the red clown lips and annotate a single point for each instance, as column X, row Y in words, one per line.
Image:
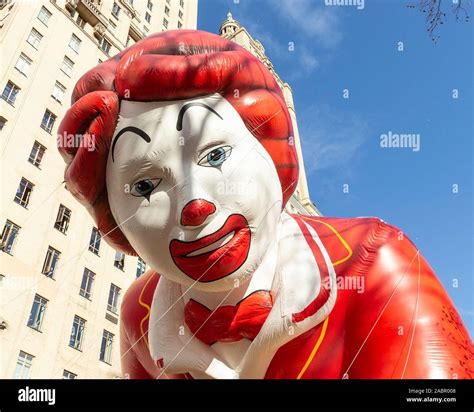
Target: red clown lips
column 214, row 262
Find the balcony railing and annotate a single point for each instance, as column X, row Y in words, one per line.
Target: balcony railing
column 4, row 3
column 129, row 7
column 135, row 32
column 88, row 10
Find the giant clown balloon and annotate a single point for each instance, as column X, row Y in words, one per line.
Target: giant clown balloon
column 192, row 164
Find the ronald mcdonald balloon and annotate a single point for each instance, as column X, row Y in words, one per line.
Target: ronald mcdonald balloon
column 193, row 163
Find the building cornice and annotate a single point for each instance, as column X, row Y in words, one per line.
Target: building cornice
column 97, row 29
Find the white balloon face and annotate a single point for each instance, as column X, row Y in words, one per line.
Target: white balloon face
column 196, row 195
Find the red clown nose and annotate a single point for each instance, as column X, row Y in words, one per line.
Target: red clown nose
column 196, row 212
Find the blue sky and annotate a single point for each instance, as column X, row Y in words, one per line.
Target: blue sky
column 409, row 91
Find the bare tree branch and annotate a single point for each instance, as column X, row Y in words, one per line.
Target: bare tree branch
column 436, row 16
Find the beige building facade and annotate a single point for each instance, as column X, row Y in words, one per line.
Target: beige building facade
column 60, row 284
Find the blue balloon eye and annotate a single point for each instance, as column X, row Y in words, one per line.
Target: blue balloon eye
column 216, row 157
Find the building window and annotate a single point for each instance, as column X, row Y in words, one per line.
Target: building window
column 150, row 5
column 37, row 153
column 112, row 26
column 3, row 122
column 77, row 333
column 180, row 24
column 165, row 23
column 115, row 10
column 9, row 235
column 48, row 120
column 106, row 347
column 23, row 193
column 75, row 43
column 119, row 261
column 87, row 283
column 68, row 375
column 67, row 66
column 10, row 92
column 180, row 14
column 37, row 312
column 23, row 64
column 181, row 3
column 51, row 262
column 105, row 45
column 114, row 296
column 62, row 219
column 80, row 21
column 23, row 366
column 167, row 10
column 34, row 38
column 94, row 242
column 147, row 17
column 58, row 92
column 44, row 15
column 141, row 267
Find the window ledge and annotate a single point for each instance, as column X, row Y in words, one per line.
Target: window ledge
column 19, row 204
column 107, row 363
column 10, row 103
column 46, row 130
column 35, row 329
column 60, row 231
column 56, row 100
column 85, row 297
column 43, row 23
column 37, row 166
column 19, row 71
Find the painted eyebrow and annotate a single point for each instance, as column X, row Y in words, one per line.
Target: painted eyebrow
column 132, row 129
column 179, row 123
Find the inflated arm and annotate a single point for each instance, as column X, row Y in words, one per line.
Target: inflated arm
column 408, row 327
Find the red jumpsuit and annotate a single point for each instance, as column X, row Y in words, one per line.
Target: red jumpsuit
column 403, row 325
